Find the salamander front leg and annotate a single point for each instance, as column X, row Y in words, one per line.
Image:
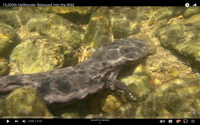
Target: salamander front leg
column 117, row 85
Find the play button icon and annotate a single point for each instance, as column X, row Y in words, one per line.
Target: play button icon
column 7, row 121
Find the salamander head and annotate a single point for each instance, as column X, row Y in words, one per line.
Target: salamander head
column 122, row 51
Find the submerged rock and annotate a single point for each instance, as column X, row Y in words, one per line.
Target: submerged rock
column 82, row 10
column 57, row 27
column 158, row 12
column 109, row 103
column 151, row 47
column 7, row 36
column 99, row 30
column 138, row 83
column 182, row 36
column 126, row 111
column 4, row 68
column 172, row 99
column 123, row 21
column 10, row 17
column 38, row 54
column 24, row 102
column 191, row 11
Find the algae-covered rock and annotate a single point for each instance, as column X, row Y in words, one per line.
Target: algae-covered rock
column 38, row 54
column 68, row 9
column 158, row 12
column 126, row 110
column 70, row 115
column 10, row 17
column 109, row 103
column 139, row 83
column 57, row 27
column 4, row 68
column 7, row 36
column 99, row 30
column 122, row 21
column 172, row 99
column 84, row 52
column 25, row 102
column 182, row 35
column 24, row 14
column 191, row 11
column 18, row 16
column 151, row 47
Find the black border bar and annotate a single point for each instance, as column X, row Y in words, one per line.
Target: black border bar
column 97, row 121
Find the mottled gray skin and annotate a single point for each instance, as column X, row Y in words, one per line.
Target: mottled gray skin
column 76, row 82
